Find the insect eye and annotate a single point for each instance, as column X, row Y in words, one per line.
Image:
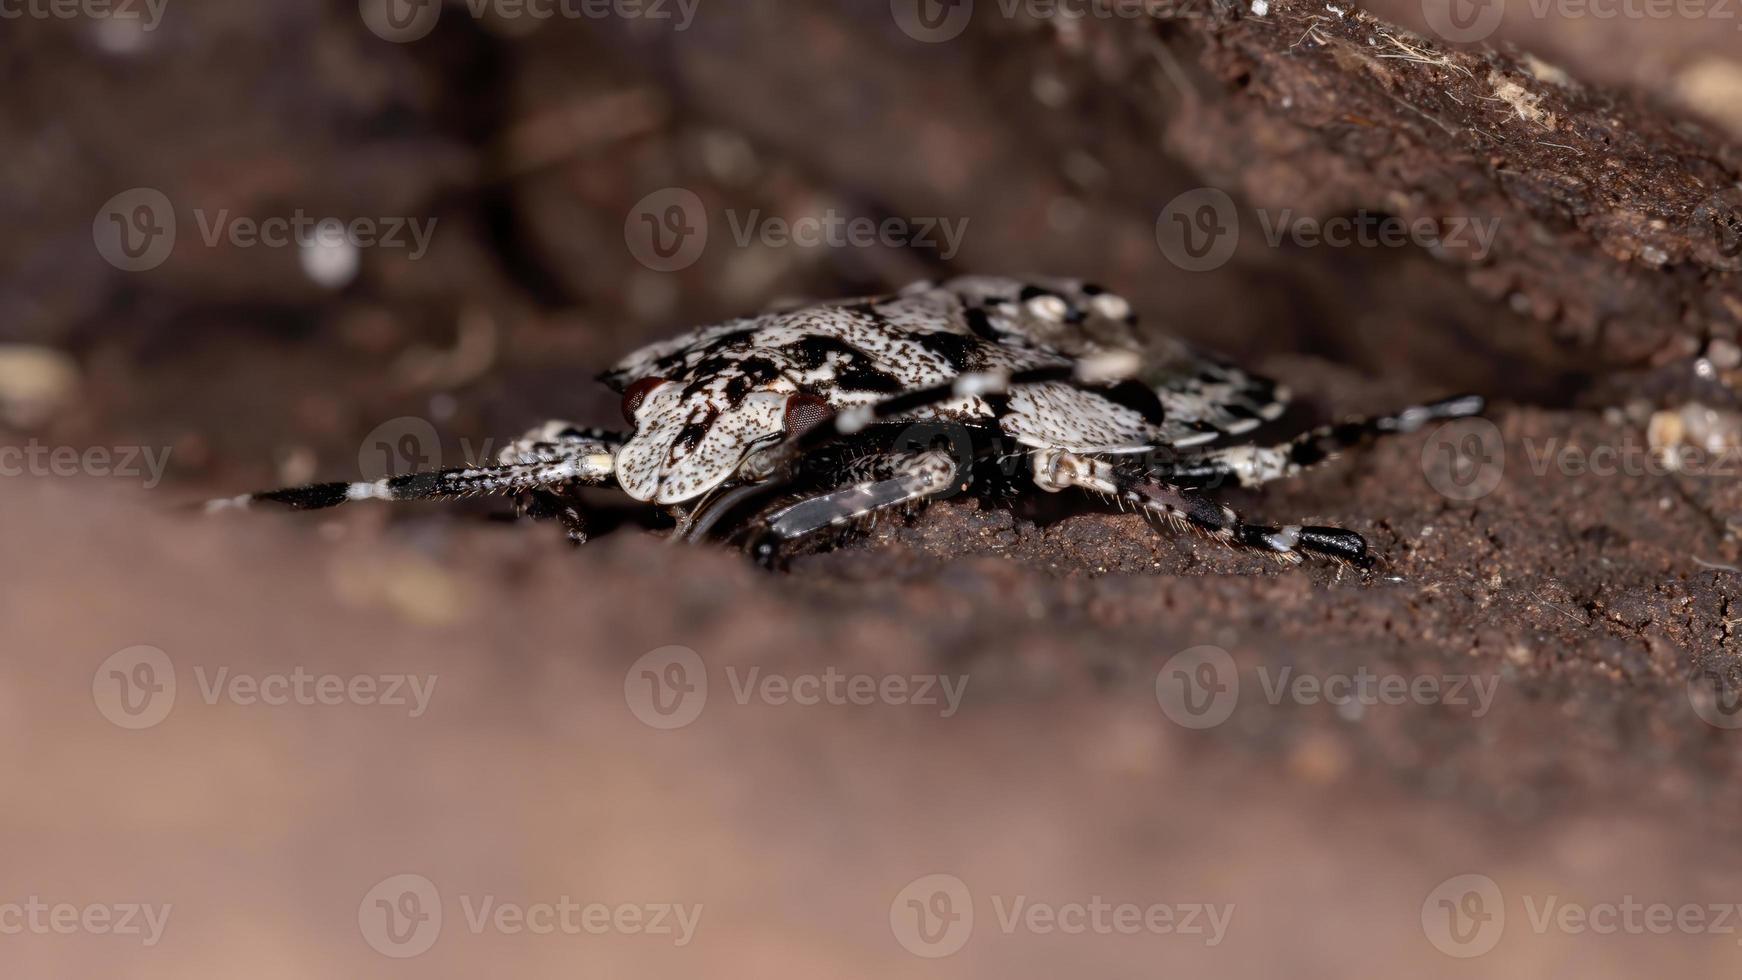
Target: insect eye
column 637, row 393
column 806, row 412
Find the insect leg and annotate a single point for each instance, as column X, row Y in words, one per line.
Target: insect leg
column 1182, row 507
column 553, row 442
column 890, row 480
column 471, row 481
column 554, row 505
column 1250, row 466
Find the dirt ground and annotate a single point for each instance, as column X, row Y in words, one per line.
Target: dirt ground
column 1509, row 749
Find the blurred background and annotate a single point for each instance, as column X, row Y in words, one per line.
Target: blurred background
column 252, row 243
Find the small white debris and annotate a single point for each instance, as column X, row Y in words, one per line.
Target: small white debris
column 1724, row 354
column 1260, row 7
column 121, row 35
column 35, row 383
column 230, row 503
column 1523, row 101
column 329, row 257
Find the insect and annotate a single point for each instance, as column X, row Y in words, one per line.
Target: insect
column 776, row 430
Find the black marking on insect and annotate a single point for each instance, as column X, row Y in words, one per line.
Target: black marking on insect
column 776, row 429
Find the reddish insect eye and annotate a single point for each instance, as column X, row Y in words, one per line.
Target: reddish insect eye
column 635, row 394
column 805, row 412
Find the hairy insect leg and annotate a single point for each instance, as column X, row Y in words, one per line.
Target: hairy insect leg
column 553, row 442
column 1181, row 507
column 886, row 481
column 541, row 505
column 1250, row 466
column 471, row 481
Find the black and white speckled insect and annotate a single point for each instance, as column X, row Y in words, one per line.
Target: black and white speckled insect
column 777, row 428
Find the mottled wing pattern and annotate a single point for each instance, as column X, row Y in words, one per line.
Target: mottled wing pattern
column 729, row 380
column 1207, row 398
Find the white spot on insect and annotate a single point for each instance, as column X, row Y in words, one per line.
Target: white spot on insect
column 1049, row 308
column 1108, row 366
column 975, row 385
column 368, row 491
column 1110, row 306
column 855, row 420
